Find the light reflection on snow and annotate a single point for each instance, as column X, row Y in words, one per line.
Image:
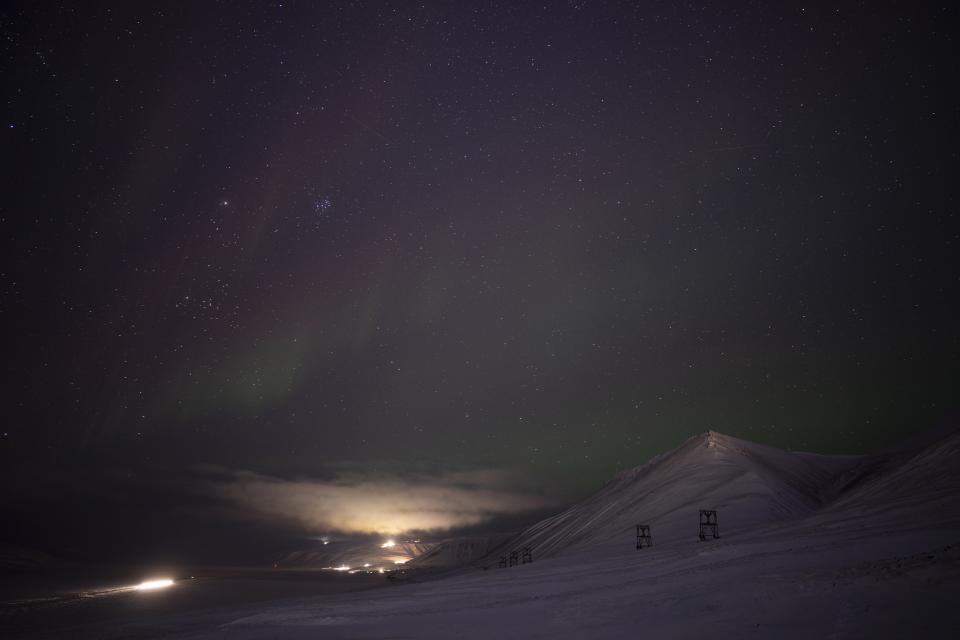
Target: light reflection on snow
column 146, row 585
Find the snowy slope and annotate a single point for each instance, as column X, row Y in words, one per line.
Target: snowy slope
column 903, row 489
column 463, row 550
column 934, row 472
column 749, row 484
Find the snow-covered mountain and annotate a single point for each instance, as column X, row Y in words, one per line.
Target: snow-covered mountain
column 749, row 484
column 753, row 486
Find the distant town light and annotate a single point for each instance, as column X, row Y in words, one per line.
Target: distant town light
column 150, row 585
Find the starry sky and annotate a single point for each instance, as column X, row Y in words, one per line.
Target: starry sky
column 481, row 254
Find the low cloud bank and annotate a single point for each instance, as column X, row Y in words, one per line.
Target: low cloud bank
column 384, row 504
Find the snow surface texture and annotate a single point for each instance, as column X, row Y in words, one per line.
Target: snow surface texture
column 811, row 547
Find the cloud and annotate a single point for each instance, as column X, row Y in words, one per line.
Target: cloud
column 380, row 503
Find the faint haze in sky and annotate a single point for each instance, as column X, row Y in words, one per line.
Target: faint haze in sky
column 381, row 503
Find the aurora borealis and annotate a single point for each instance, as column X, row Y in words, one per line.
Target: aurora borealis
column 347, row 242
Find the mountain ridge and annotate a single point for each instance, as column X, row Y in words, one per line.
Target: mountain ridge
column 750, row 484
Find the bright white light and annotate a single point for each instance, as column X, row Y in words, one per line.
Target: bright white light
column 389, row 544
column 399, row 562
column 342, row 568
column 149, row 585
column 366, row 564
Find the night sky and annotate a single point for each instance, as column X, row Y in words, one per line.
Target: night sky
column 265, row 265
